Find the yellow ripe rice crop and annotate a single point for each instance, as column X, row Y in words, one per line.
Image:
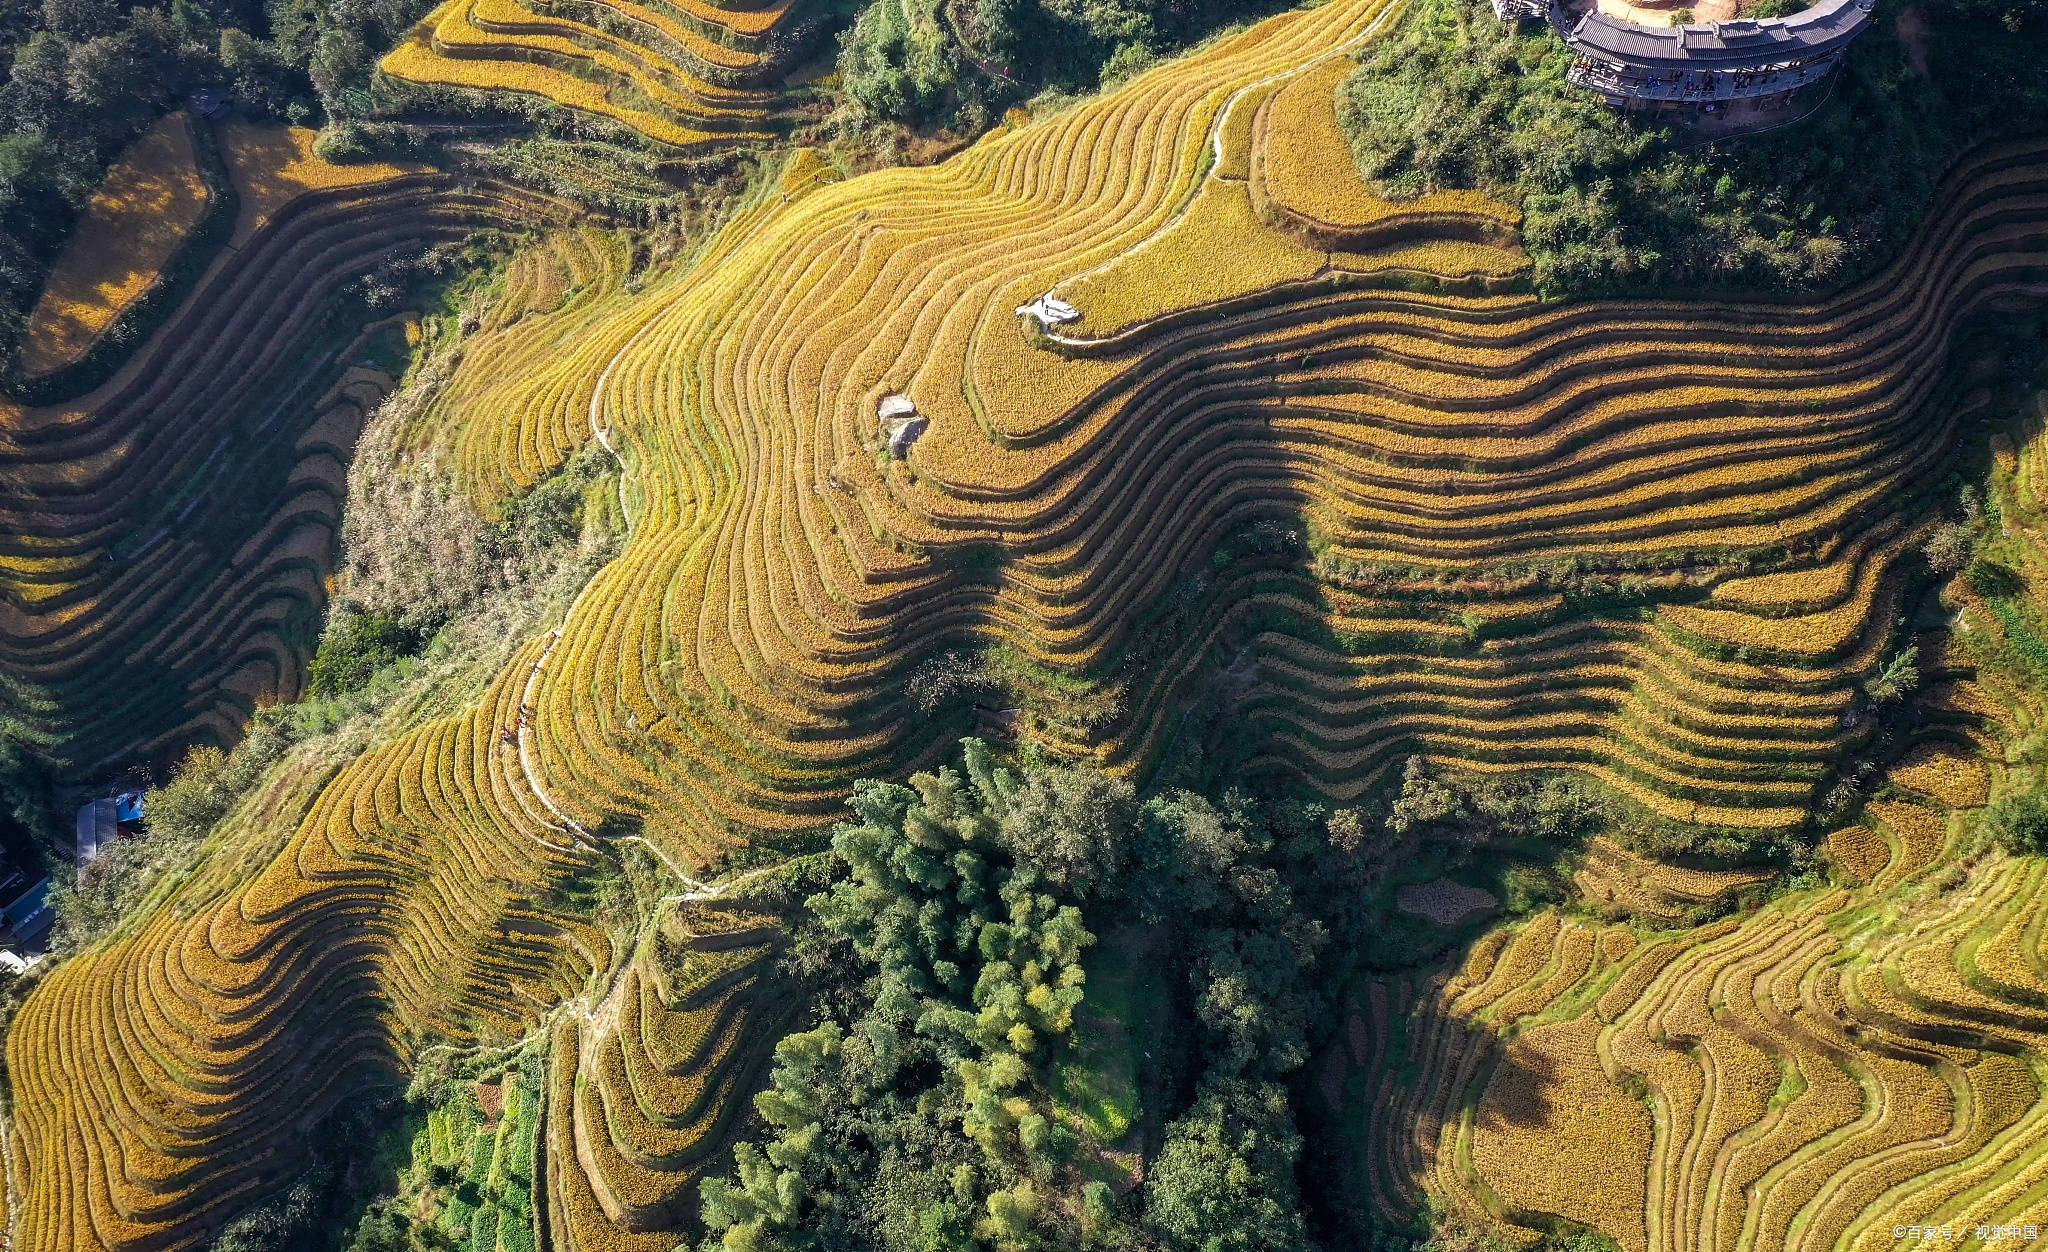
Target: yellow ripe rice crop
column 273, row 166
column 189, row 1022
column 1825, row 632
column 1234, row 136
column 1459, row 469
column 1921, row 834
column 1570, row 961
column 1791, row 589
column 120, row 580
column 1303, row 171
column 1451, row 259
column 1614, row 877
column 1552, row 1133
column 619, row 68
column 1861, row 851
column 1944, row 773
column 415, row 60
column 1216, row 251
column 1754, row 1082
column 659, row 1089
column 151, row 199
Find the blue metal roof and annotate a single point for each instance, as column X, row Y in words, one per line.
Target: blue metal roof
column 30, row 903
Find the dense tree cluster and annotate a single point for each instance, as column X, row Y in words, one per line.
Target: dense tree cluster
column 959, row 65
column 1556, row 808
column 1254, row 891
column 2013, row 15
column 355, row 645
column 2019, row 823
column 918, row 1112
column 1455, row 99
column 925, row 1120
column 286, row 1222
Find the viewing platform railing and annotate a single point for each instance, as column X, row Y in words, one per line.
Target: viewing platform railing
column 1697, row 87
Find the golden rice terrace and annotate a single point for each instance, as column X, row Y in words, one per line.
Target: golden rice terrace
column 1141, row 410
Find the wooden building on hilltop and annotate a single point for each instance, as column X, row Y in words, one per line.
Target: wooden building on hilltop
column 1758, row 63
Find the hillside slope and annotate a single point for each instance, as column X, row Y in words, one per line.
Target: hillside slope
column 1846, row 1060
column 1660, row 543
column 169, row 531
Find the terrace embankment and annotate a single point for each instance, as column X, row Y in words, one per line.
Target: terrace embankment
column 171, row 531
column 1819, row 1071
column 1527, row 522
column 689, row 74
column 1528, row 518
column 1809, row 1074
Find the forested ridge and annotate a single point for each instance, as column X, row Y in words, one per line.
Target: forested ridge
column 1614, row 202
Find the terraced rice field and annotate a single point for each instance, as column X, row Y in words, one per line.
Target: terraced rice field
column 164, row 531
column 150, row 201
column 1624, row 884
column 1448, row 436
column 687, row 73
column 554, row 295
column 647, row 1087
column 1521, row 515
column 1808, row 1075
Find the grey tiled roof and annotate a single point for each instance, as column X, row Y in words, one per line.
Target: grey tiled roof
column 1826, row 27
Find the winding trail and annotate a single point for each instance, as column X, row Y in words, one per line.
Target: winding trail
column 698, row 888
column 1216, row 130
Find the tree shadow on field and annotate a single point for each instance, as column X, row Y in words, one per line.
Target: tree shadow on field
column 1390, row 1062
column 1520, row 1093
